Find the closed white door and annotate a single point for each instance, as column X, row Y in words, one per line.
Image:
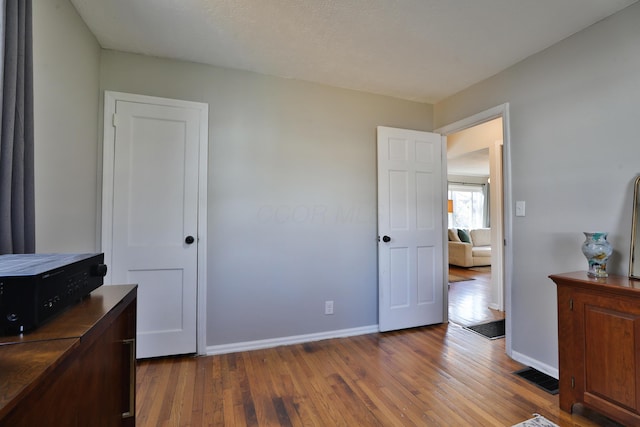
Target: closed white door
column 410, row 229
column 151, row 238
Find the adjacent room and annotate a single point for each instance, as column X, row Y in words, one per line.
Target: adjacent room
column 475, row 205
column 303, row 207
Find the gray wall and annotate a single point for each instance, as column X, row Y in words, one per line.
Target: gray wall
column 292, row 193
column 575, row 153
column 292, row 183
column 66, row 58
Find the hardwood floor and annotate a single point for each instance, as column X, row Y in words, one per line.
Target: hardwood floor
column 469, row 300
column 432, row 376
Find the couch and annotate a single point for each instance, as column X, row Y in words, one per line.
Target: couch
column 470, row 248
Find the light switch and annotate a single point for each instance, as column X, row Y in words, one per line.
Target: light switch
column 520, row 208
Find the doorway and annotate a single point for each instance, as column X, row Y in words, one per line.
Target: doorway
column 484, row 139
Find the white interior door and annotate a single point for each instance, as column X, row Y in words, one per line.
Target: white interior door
column 410, row 229
column 151, row 233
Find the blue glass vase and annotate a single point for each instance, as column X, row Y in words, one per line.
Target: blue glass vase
column 597, row 250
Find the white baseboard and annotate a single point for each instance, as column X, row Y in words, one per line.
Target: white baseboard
column 542, row 367
column 296, row 339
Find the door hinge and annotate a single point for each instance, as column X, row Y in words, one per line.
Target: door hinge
column 573, row 382
column 114, row 120
column 571, row 304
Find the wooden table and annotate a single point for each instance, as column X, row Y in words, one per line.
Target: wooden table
column 77, row 369
column 599, row 344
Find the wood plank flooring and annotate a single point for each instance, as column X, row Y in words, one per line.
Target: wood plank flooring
column 469, row 300
column 432, row 376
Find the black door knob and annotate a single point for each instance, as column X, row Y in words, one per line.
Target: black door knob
column 386, row 239
column 189, row 240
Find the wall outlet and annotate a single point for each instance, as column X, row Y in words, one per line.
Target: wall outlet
column 328, row 307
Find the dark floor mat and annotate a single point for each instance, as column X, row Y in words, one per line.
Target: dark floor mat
column 491, row 330
column 539, row 379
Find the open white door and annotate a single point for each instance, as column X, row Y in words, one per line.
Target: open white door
column 410, row 229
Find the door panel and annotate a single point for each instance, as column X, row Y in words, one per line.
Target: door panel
column 400, row 286
column 164, row 288
column 410, row 212
column 426, row 256
column 162, row 142
column 425, row 201
column 399, row 200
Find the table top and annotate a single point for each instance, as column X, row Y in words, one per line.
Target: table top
column 613, row 283
column 26, row 358
column 77, row 319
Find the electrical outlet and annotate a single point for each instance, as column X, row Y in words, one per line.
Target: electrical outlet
column 328, row 307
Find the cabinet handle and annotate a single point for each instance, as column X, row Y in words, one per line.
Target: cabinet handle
column 132, row 378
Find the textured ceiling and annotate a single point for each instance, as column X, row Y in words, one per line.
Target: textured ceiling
column 423, row 50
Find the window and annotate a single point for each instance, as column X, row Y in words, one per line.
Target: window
column 468, row 206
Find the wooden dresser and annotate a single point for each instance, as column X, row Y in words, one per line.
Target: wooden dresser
column 599, row 344
column 77, row 369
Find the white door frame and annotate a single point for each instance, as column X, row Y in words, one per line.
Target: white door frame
column 110, row 99
column 476, row 119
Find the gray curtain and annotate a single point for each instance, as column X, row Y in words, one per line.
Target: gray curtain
column 17, row 210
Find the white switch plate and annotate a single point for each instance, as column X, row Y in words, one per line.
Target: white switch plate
column 328, row 307
column 520, row 208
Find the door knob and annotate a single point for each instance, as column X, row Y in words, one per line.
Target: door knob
column 386, row 239
column 189, row 240
column 99, row 270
